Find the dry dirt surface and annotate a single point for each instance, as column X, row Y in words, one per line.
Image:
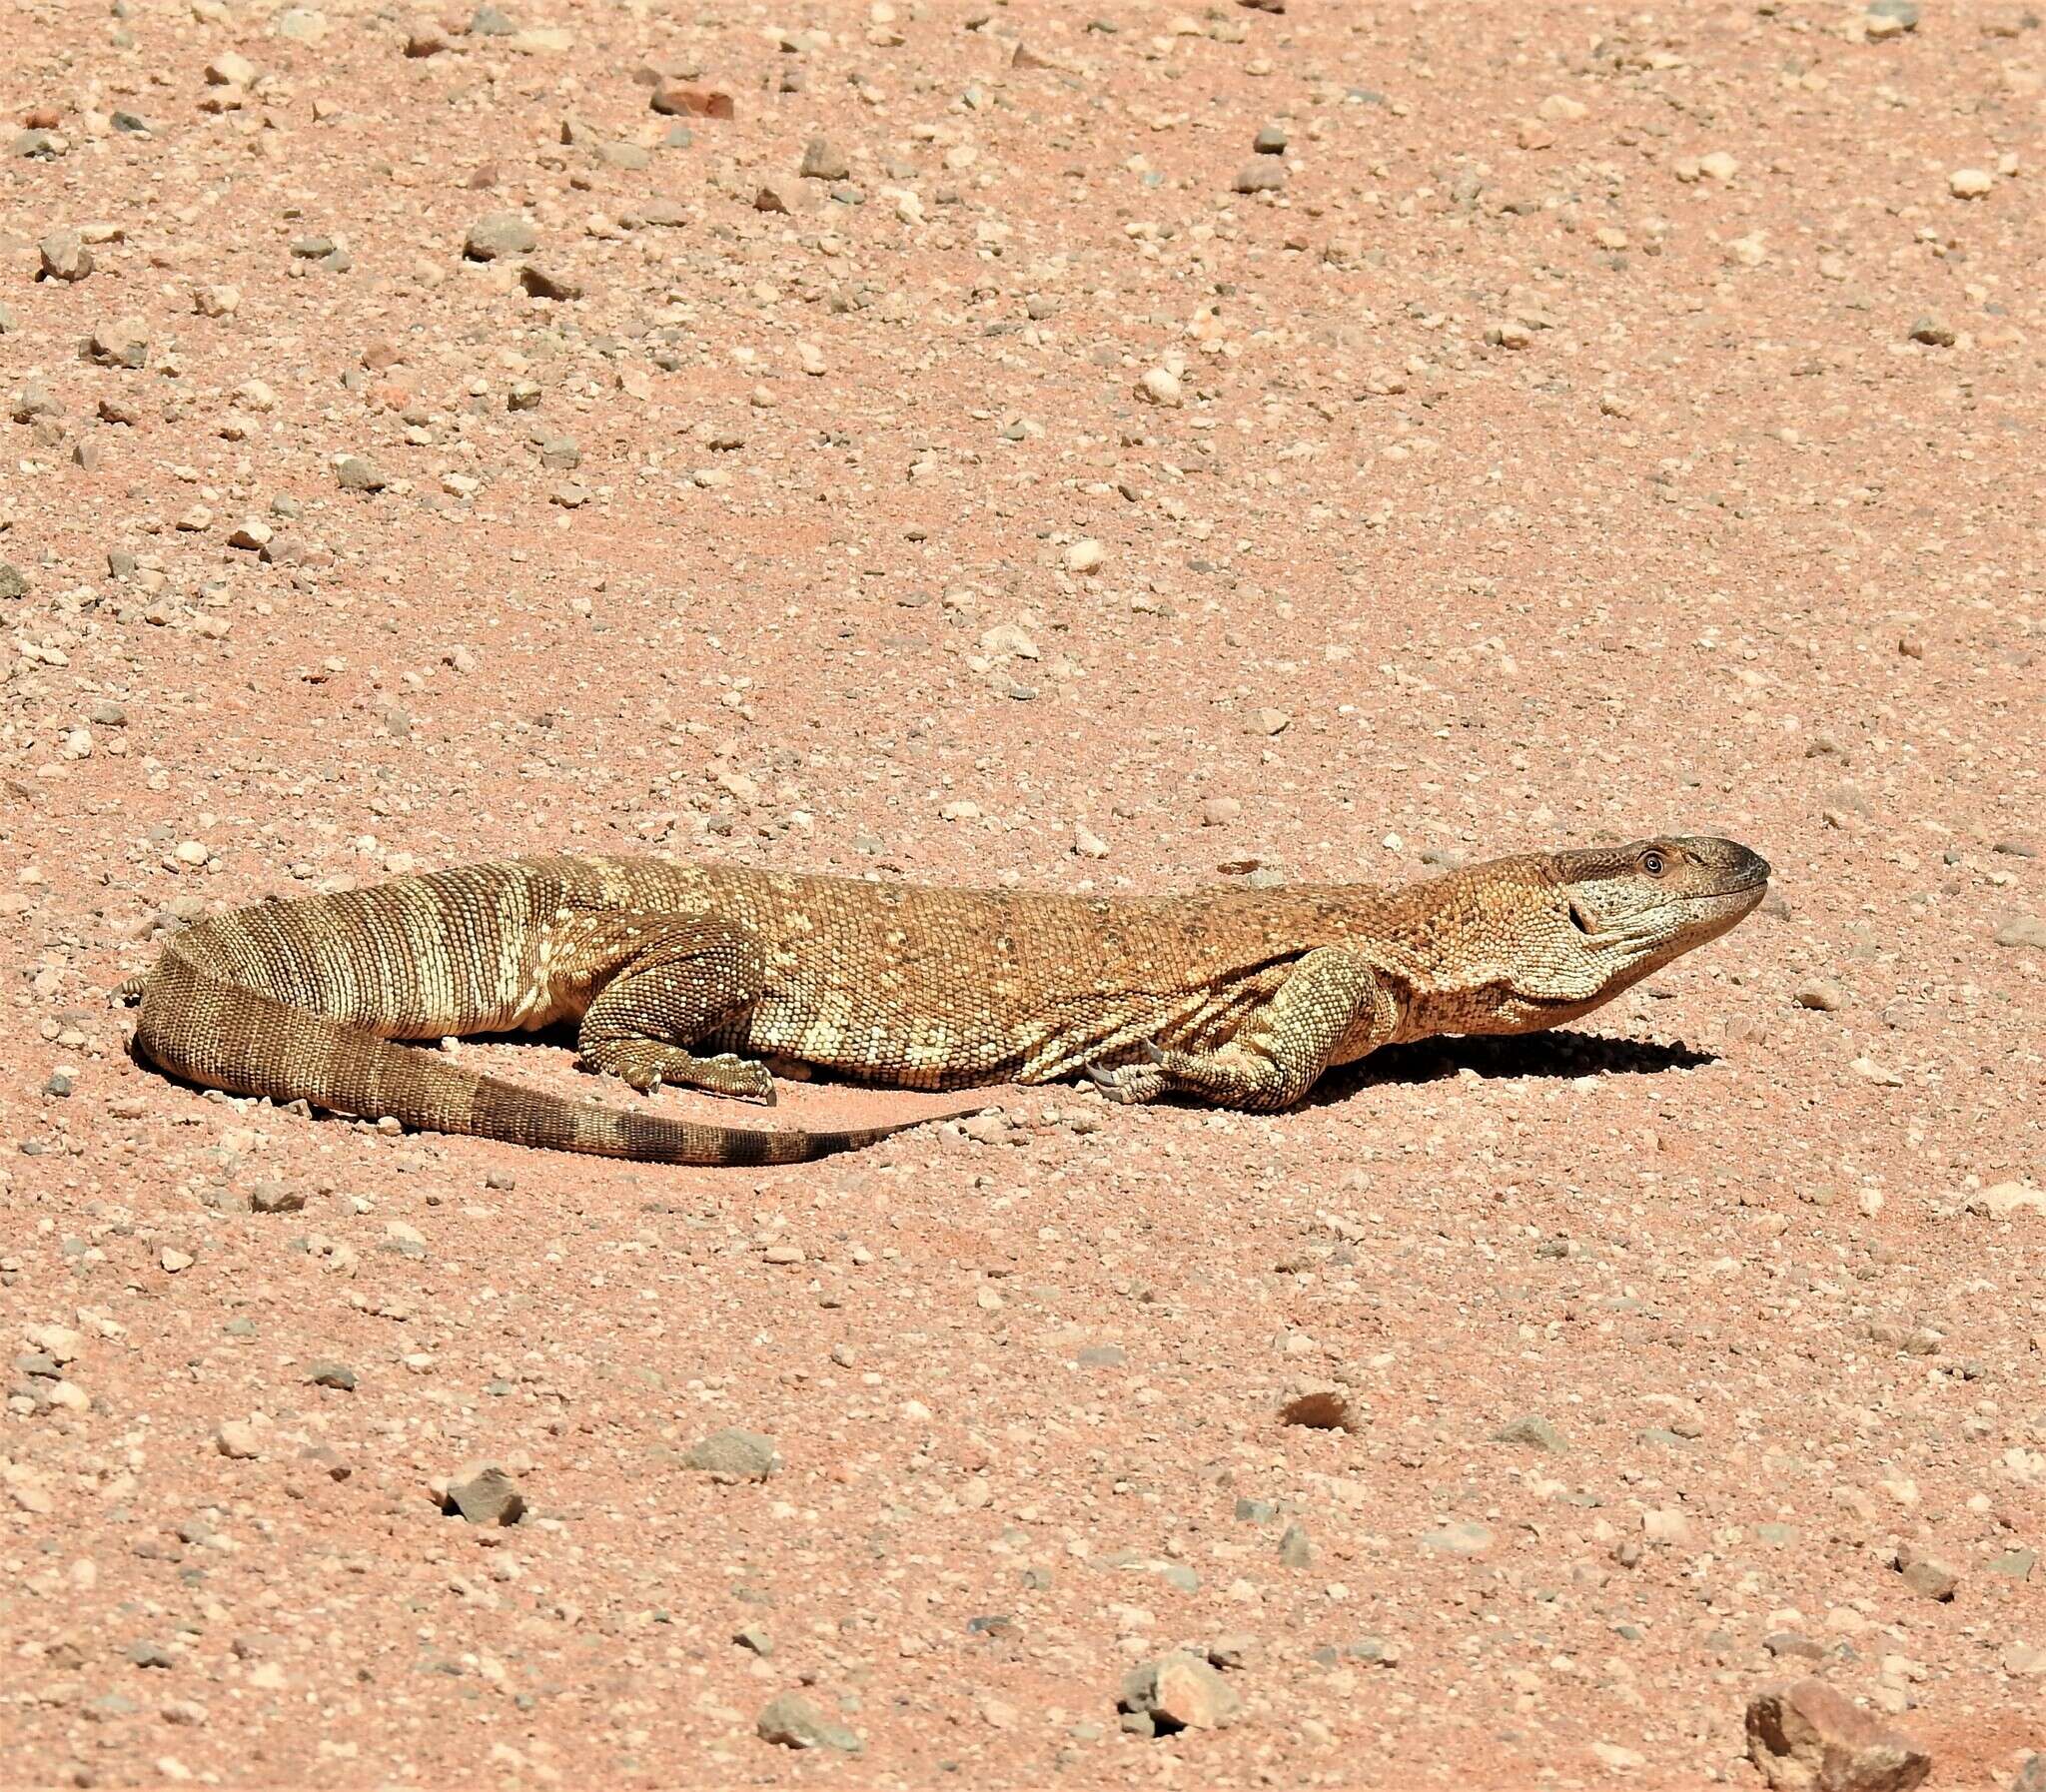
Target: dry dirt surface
column 1108, row 447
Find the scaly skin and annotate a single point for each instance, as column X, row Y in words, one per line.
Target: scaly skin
column 692, row 975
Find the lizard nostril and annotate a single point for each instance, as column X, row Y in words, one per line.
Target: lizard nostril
column 1581, row 920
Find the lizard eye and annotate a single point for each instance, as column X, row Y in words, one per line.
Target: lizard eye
column 1651, row 862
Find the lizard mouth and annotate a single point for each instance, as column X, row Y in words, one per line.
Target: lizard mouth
column 1752, row 872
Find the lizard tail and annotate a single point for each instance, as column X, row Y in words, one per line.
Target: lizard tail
column 209, row 1030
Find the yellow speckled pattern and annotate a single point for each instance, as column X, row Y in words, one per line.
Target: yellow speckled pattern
column 692, row 974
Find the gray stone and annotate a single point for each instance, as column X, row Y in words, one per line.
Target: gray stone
column 1261, row 175
column 1534, row 1430
column 65, row 256
column 12, row 584
column 493, row 21
column 824, row 161
column 1270, row 141
column 1788, row 1642
column 781, row 193
column 351, row 473
column 500, row 234
column 483, row 1494
column 121, row 343
column 332, row 1375
column 791, row 1721
column 1295, row 1551
column 41, row 145
column 2023, row 930
column 1903, row 12
column 1927, row 1575
column 732, row 1455
column 1462, row 1537
column 275, row 1198
column 34, row 400
column 1178, row 1691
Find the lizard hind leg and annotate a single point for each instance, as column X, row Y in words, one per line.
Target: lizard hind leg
column 683, row 981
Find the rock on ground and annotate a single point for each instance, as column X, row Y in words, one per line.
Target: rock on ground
column 1807, row 1737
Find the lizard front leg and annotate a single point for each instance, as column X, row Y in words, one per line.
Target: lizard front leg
column 689, row 980
column 1281, row 1046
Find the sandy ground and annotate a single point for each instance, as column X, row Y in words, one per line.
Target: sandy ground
column 1584, row 422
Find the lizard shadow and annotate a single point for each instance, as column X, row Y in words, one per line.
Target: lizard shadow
column 1557, row 1053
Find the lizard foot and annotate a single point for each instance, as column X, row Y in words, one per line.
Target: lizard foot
column 1129, row 1083
column 645, row 1066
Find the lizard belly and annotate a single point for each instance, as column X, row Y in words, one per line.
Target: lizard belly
column 867, row 1041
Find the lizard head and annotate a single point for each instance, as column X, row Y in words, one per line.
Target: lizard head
column 1521, row 944
column 1617, row 914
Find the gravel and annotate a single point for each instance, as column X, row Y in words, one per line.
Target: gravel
column 1547, row 460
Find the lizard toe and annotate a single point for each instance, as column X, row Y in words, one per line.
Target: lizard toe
column 738, row 1076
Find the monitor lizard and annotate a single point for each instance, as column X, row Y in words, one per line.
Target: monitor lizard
column 691, row 975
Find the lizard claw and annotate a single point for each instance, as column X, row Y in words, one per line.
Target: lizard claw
column 1152, row 1055
column 1129, row 1083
